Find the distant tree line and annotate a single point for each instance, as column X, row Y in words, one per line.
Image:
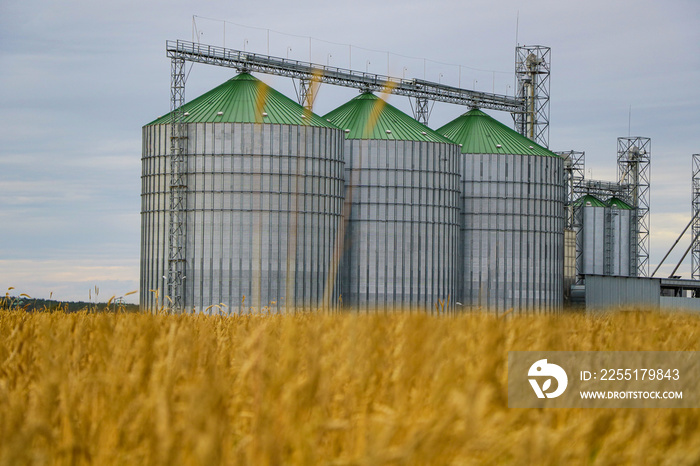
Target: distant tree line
column 22, row 303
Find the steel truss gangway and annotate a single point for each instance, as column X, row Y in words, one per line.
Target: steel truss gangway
column 604, row 189
column 310, row 72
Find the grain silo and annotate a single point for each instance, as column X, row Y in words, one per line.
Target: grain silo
column 620, row 231
column 593, row 239
column 512, row 217
column 402, row 208
column 264, row 198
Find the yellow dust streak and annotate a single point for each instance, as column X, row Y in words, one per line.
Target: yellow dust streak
column 376, row 110
column 261, row 101
column 340, row 245
column 290, row 282
column 257, row 259
column 256, row 266
column 261, row 93
column 338, row 248
column 314, row 84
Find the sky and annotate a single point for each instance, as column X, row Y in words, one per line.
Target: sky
column 80, row 78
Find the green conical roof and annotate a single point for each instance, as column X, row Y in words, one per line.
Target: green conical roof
column 478, row 133
column 369, row 117
column 618, row 203
column 594, row 201
column 245, row 99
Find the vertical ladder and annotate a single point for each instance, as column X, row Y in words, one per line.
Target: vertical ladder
column 178, row 188
column 608, row 259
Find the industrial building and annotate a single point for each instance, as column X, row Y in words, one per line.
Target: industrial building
column 251, row 201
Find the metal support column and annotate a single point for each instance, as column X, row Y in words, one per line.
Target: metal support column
column 532, row 71
column 421, row 111
column 178, row 187
column 574, row 174
column 695, row 231
column 578, row 228
column 633, row 169
column 306, row 93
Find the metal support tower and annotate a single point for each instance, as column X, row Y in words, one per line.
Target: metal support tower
column 633, row 169
column 306, row 93
column 178, row 187
column 574, row 173
column 421, row 111
column 532, row 70
column 695, row 238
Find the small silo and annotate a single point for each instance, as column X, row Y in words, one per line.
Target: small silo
column 402, row 208
column 512, row 217
column 593, row 239
column 264, row 199
column 620, row 223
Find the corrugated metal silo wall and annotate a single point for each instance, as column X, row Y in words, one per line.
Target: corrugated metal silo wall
column 513, row 232
column 154, row 216
column 592, row 257
column 264, row 205
column 402, row 236
column 620, row 251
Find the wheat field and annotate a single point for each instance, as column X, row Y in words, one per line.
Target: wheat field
column 318, row 388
